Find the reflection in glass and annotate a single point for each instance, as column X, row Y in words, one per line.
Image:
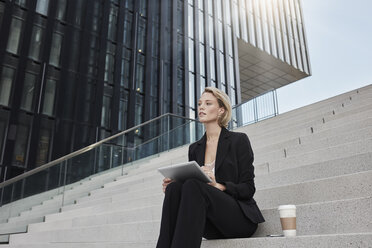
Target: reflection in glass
column 55, row 50
column 113, row 19
column 35, row 46
column 19, row 155
column 191, row 90
column 49, row 94
column 61, row 10
column 191, row 55
column 42, row 7
column 14, row 36
column 2, row 7
column 6, row 82
column 28, row 92
column 43, row 146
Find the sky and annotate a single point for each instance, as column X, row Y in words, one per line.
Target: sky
column 339, row 36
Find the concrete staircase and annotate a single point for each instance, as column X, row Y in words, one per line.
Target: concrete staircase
column 318, row 157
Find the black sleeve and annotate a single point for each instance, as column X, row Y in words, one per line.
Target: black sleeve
column 245, row 187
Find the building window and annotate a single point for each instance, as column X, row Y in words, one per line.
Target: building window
column 113, row 20
column 61, row 10
column 191, row 21
column 56, row 50
column 35, row 46
column 191, row 55
column 123, row 110
column 141, row 35
column 139, row 109
column 191, row 90
column 127, row 39
column 110, row 63
column 212, row 64
column 43, row 146
column 28, row 92
column 14, row 36
column 140, row 73
column 106, row 108
column 6, row 82
column 21, row 3
column 202, row 59
column 22, row 134
column 2, row 7
column 49, row 94
column 42, row 7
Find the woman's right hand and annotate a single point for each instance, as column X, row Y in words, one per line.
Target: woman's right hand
column 166, row 181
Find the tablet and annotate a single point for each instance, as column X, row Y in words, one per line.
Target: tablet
column 183, row 171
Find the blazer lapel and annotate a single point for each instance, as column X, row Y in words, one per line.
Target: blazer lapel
column 222, row 147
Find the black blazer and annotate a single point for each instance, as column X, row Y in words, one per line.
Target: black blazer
column 233, row 168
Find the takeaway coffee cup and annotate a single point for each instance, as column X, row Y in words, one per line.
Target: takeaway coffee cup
column 287, row 215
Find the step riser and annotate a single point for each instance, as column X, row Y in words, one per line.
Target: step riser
column 331, row 168
column 321, row 155
column 321, row 144
column 351, row 216
column 305, row 119
column 306, row 129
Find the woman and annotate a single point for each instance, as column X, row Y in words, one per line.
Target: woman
column 224, row 208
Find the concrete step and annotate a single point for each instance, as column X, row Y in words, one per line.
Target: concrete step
column 343, row 216
column 346, row 216
column 335, row 188
column 356, row 240
column 336, row 167
column 325, row 133
column 279, row 121
column 306, row 129
column 145, row 214
column 316, row 145
column 320, row 241
column 316, row 156
column 312, row 110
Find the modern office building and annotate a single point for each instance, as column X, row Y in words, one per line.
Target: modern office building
column 75, row 71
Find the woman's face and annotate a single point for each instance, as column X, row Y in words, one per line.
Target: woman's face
column 208, row 108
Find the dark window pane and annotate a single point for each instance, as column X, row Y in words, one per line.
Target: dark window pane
column 113, row 19
column 21, row 3
column 28, row 92
column 37, row 34
column 42, row 7
column 143, row 8
column 6, row 82
column 141, row 35
column 2, row 7
column 43, row 146
column 61, row 10
column 127, row 39
column 19, row 155
column 4, row 115
column 14, row 36
column 55, row 50
column 49, row 94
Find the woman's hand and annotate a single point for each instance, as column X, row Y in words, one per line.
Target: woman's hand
column 212, row 177
column 166, row 181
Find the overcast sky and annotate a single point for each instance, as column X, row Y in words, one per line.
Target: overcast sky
column 339, row 35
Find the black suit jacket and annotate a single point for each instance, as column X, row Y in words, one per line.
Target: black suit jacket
column 233, row 168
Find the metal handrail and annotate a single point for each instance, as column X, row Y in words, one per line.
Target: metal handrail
column 83, row 150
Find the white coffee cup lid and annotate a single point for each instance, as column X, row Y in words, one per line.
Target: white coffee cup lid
column 286, row 207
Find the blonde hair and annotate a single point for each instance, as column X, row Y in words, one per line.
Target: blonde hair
column 224, row 102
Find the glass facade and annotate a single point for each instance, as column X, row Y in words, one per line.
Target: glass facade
column 74, row 72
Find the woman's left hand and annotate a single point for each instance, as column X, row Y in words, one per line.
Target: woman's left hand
column 212, row 177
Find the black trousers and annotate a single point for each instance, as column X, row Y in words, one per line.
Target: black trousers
column 193, row 209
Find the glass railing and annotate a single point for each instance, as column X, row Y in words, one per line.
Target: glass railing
column 148, row 139
column 255, row 110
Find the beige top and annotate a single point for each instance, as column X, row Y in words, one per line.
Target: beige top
column 211, row 166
